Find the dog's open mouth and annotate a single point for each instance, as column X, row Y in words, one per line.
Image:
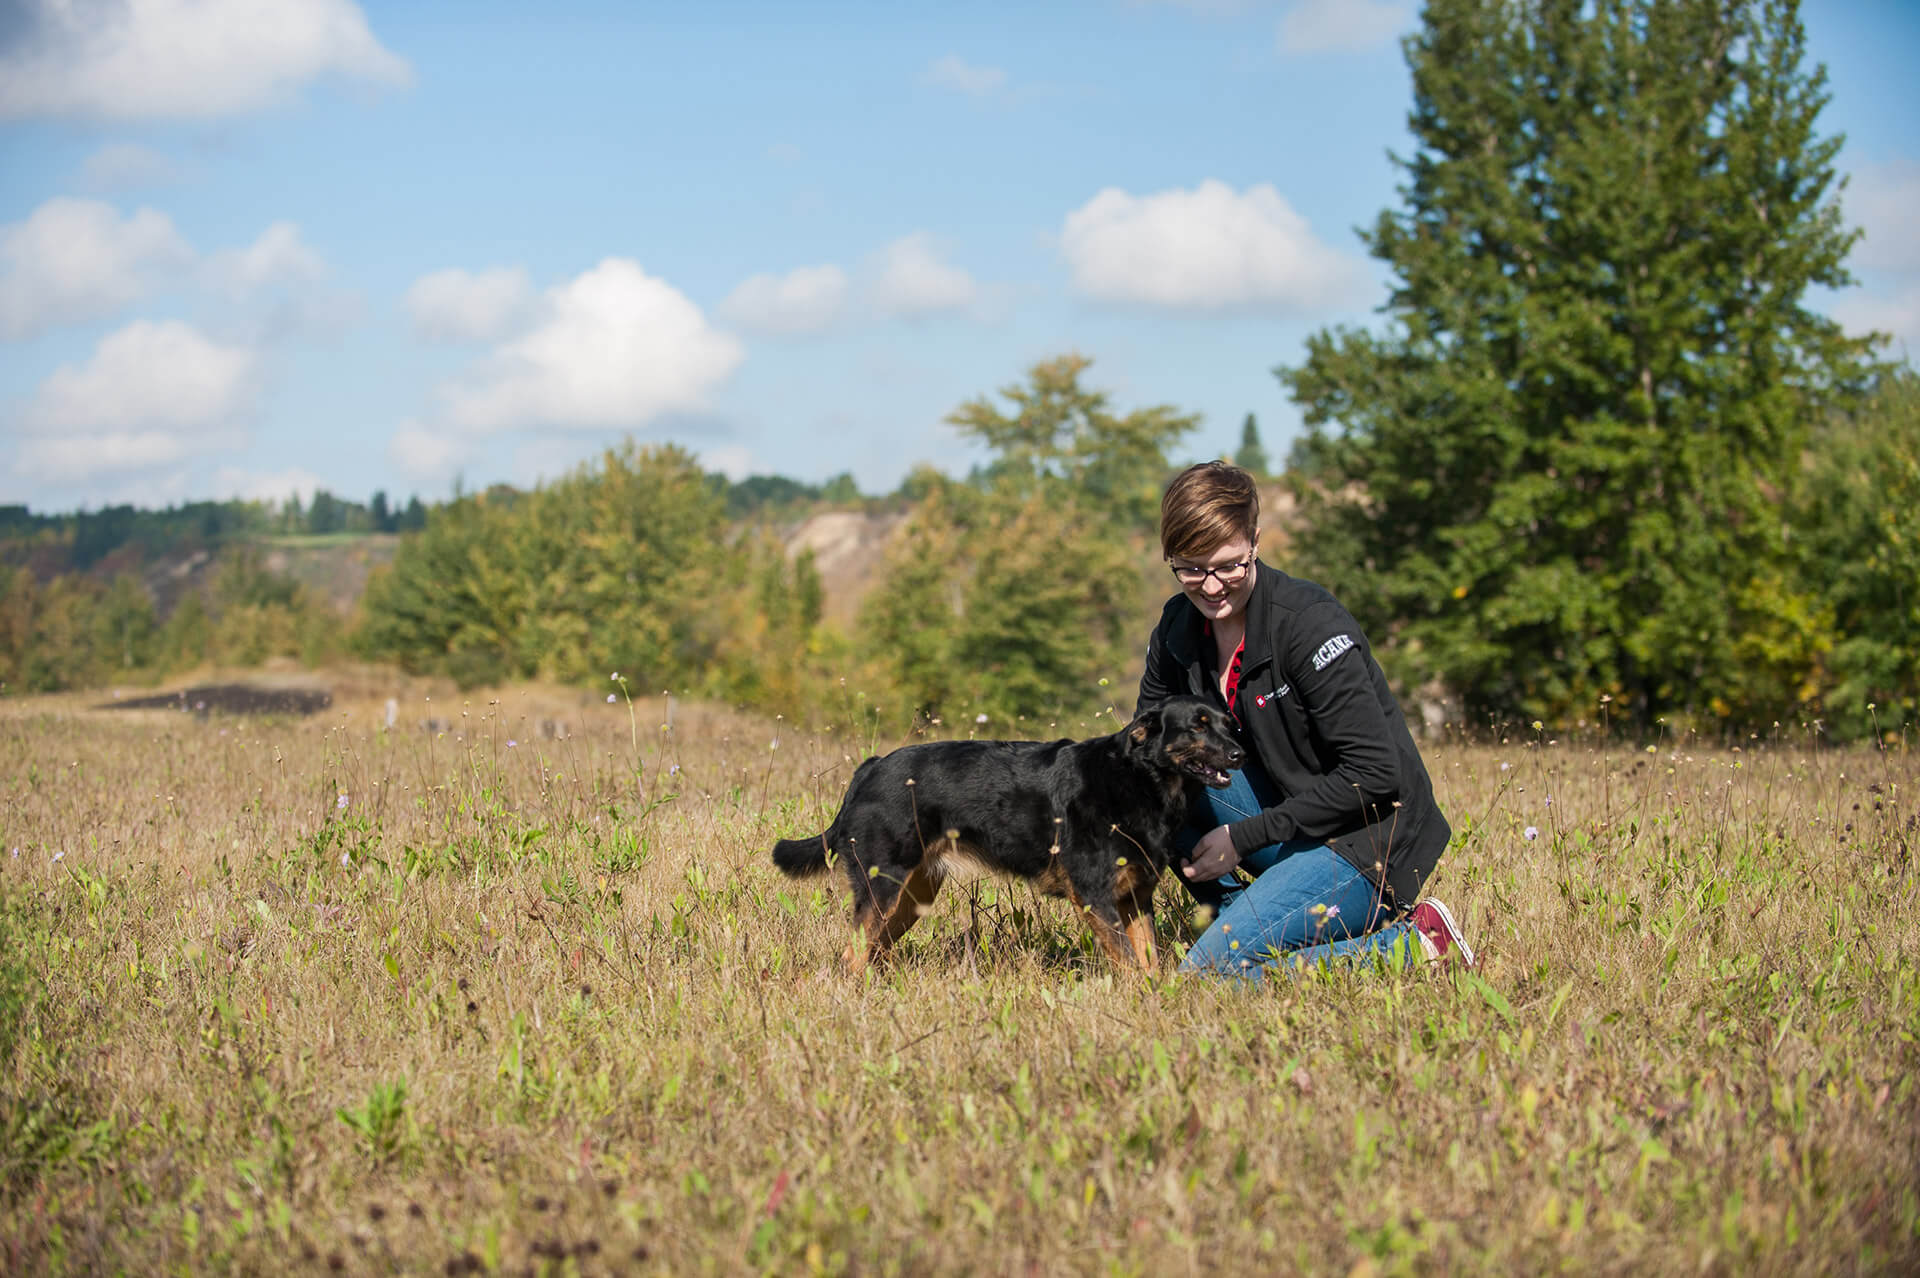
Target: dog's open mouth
column 1207, row 773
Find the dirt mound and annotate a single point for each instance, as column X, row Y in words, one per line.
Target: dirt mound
column 232, row 698
column 848, row 547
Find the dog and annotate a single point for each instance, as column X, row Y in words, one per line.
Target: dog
column 1092, row 821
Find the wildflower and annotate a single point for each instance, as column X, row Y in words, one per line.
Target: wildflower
column 674, row 771
column 16, row 854
column 58, row 855
column 615, row 676
column 611, row 698
column 1505, row 766
column 1333, row 911
column 1531, row 833
column 511, row 743
column 1549, row 800
column 980, row 718
column 341, row 802
column 346, row 859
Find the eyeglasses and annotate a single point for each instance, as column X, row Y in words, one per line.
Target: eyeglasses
column 1228, row 575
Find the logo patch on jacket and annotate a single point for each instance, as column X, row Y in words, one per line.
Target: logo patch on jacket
column 1279, row 692
column 1331, row 649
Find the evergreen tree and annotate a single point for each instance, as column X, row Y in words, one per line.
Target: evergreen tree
column 327, row 514
column 1251, row 457
column 1558, row 474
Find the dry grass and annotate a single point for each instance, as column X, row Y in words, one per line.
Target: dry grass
column 544, row 1005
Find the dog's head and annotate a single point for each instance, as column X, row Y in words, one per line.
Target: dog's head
column 1189, row 736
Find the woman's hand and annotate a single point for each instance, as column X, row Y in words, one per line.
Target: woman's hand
column 1212, row 857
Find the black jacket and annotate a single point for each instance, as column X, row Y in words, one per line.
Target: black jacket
column 1315, row 709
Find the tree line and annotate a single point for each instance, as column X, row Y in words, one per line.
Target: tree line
column 124, row 594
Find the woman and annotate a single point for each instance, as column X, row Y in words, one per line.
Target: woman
column 1333, row 816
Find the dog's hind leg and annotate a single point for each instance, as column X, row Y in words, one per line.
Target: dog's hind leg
column 887, row 915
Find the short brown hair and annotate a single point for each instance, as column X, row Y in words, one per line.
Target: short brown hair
column 1206, row 506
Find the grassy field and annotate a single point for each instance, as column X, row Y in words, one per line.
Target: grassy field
column 314, row 995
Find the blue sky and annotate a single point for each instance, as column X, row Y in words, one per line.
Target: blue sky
column 249, row 247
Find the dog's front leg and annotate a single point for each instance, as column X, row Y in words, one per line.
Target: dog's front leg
column 1103, row 916
column 1135, row 911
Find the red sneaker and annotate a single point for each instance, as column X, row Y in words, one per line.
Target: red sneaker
column 1439, row 934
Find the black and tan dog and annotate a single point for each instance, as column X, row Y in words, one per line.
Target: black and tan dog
column 1089, row 820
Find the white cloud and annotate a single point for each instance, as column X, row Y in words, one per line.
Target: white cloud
column 952, row 72
column 278, row 256
column 75, row 260
column 615, row 347
column 121, row 166
column 1341, row 26
column 147, row 374
column 125, row 59
column 1881, row 200
column 468, row 306
column 912, row 279
column 1205, row 248
column 735, row 461
column 275, row 487
column 151, row 395
column 1897, row 315
column 806, row 299
column 424, row 454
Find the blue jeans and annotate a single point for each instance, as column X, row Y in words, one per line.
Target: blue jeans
column 1307, row 905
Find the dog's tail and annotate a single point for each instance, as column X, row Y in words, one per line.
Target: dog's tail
column 802, row 857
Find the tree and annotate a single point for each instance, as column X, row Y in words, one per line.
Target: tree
column 327, row 514
column 602, row 571
column 1558, row 473
column 841, row 490
column 1008, row 595
column 1859, row 518
column 1251, row 456
column 124, row 626
column 1058, row 429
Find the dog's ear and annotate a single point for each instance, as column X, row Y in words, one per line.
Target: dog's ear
column 1145, row 724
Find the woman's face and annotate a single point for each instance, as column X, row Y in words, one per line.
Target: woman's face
column 1220, row 583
